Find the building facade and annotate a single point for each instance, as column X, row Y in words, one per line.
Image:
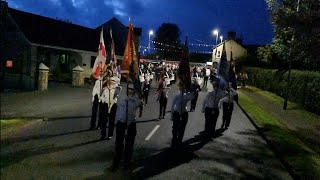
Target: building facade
column 28, row 39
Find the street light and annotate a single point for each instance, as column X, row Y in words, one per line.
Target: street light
column 215, row 32
column 150, row 33
column 221, row 37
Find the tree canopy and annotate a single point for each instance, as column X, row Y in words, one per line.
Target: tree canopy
column 167, row 41
column 297, row 32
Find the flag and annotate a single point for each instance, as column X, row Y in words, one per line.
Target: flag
column 113, row 51
column 130, row 59
column 222, row 72
column 100, row 62
column 232, row 74
column 184, row 71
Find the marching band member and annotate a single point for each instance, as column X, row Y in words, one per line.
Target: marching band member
column 179, row 116
column 126, row 119
column 227, row 105
column 211, row 110
column 108, row 105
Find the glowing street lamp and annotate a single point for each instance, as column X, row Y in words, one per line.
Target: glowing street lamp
column 150, row 33
column 221, row 37
column 215, row 32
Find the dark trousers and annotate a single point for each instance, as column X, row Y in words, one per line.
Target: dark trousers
column 205, row 80
column 145, row 96
column 129, row 142
column 108, row 117
column 94, row 110
column 163, row 106
column 194, row 102
column 227, row 113
column 178, row 128
column 211, row 115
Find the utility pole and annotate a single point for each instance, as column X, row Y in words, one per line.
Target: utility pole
column 285, row 104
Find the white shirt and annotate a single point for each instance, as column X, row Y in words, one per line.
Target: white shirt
column 226, row 98
column 110, row 95
column 133, row 105
column 97, row 88
column 212, row 99
column 179, row 103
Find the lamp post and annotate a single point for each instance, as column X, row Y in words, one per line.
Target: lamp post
column 150, row 33
column 215, row 32
column 285, row 104
column 221, row 37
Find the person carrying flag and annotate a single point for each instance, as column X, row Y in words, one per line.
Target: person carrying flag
column 226, row 104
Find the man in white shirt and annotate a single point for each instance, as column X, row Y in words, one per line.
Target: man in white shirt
column 108, row 106
column 97, row 89
column 179, row 116
column 227, row 104
column 126, row 119
column 211, row 110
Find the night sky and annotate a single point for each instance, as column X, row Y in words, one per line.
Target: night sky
column 197, row 18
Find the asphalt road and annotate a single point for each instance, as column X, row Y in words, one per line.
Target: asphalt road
column 62, row 148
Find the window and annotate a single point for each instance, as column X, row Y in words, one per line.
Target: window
column 218, row 54
column 93, row 58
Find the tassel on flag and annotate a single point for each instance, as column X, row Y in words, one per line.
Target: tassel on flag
column 100, row 62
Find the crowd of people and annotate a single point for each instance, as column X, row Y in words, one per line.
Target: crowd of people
column 122, row 113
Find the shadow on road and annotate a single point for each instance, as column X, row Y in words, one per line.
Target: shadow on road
column 16, row 157
column 9, row 141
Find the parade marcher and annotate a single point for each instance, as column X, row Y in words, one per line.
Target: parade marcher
column 195, row 88
column 211, row 110
column 179, row 116
column 227, row 104
column 206, row 74
column 146, row 89
column 108, row 104
column 162, row 99
column 126, row 119
column 95, row 102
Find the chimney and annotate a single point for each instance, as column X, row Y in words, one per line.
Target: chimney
column 231, row 35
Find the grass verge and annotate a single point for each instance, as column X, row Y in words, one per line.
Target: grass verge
column 304, row 162
column 9, row 123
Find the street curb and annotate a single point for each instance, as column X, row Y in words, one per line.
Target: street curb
column 271, row 145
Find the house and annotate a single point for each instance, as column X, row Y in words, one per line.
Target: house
column 231, row 45
column 29, row 39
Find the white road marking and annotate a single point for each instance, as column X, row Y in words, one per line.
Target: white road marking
column 152, row 132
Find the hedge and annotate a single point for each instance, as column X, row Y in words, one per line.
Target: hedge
column 304, row 85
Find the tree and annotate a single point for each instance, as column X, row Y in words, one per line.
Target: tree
column 304, row 26
column 167, row 41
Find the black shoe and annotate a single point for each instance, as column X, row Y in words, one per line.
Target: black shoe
column 162, row 117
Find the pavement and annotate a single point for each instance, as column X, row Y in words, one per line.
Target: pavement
column 58, row 144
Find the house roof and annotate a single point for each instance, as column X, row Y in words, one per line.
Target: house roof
column 47, row 31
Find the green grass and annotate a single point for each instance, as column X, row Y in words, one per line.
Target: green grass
column 8, row 123
column 293, row 107
column 304, row 162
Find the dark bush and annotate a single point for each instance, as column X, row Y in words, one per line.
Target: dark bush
column 304, row 85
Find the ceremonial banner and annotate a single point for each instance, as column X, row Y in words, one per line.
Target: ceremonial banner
column 113, row 50
column 130, row 59
column 232, row 74
column 222, row 73
column 184, row 75
column 100, row 62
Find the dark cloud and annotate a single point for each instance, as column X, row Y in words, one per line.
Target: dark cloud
column 248, row 18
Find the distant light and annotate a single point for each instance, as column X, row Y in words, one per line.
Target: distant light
column 150, row 32
column 215, row 32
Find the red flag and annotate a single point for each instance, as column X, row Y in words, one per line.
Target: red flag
column 100, row 62
column 130, row 60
